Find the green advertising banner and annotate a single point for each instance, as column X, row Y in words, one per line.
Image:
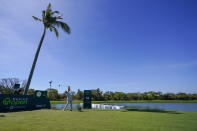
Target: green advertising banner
column 22, row 102
column 87, row 102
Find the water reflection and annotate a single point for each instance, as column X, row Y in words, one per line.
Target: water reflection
column 160, row 106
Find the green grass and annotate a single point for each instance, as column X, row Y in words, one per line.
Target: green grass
column 134, row 101
column 99, row 120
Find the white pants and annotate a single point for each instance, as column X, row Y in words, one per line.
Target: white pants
column 70, row 103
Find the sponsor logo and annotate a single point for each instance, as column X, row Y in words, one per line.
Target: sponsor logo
column 38, row 94
column 14, row 101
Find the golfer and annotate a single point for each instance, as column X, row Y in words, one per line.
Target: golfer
column 69, row 99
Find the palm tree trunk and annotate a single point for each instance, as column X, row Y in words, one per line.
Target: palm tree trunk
column 34, row 63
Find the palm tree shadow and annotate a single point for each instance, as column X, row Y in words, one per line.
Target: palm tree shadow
column 152, row 110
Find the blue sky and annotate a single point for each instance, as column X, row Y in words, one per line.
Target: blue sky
column 117, row 45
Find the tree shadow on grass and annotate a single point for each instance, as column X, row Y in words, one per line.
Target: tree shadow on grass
column 152, row 110
column 2, row 115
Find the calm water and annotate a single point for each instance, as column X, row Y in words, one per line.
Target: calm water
column 162, row 106
column 61, row 106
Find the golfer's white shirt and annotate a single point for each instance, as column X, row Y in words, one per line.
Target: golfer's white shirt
column 69, row 97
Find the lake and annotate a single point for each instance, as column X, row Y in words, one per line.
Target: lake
column 161, row 106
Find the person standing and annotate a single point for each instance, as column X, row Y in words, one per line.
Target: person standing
column 69, row 99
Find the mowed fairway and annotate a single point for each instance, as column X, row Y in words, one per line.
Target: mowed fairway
column 98, row 120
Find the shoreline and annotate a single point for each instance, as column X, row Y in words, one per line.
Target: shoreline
column 134, row 101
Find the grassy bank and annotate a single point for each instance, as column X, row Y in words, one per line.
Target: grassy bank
column 138, row 101
column 98, row 120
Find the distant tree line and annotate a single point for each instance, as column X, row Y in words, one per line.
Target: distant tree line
column 6, row 87
column 98, row 95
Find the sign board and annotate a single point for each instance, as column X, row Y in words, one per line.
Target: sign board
column 22, row 102
column 87, row 102
column 39, row 93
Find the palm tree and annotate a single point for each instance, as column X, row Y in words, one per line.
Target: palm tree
column 50, row 21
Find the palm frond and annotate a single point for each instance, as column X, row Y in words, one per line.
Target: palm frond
column 49, row 6
column 59, row 17
column 50, row 21
column 56, row 32
column 43, row 14
column 37, row 19
column 55, row 12
column 63, row 25
column 48, row 11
